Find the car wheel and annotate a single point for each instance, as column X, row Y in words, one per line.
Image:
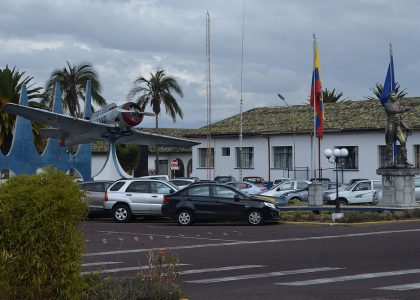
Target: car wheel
column 295, row 199
column 342, row 201
column 185, row 218
column 255, row 217
column 121, row 213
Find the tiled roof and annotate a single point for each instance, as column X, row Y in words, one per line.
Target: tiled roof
column 341, row 116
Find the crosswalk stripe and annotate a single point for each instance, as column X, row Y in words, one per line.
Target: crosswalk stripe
column 351, row 277
column 237, row 243
column 138, row 268
column 219, row 269
column 101, row 263
column 403, row 287
column 262, row 275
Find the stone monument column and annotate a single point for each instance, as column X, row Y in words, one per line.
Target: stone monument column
column 398, row 174
column 398, row 187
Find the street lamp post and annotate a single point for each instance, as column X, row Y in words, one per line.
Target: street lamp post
column 334, row 157
column 294, row 136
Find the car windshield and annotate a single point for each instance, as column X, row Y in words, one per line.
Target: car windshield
column 350, row 187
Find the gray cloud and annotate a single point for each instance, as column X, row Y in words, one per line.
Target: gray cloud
column 128, row 39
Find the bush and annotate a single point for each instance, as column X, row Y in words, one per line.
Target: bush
column 157, row 282
column 39, row 241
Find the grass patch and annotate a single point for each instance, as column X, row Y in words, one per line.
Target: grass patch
column 350, row 217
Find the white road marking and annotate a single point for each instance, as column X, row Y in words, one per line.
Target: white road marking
column 220, row 269
column 116, row 270
column 403, row 287
column 102, row 263
column 349, row 278
column 263, row 275
column 166, row 236
column 236, row 243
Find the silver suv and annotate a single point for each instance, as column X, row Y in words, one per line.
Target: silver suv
column 128, row 197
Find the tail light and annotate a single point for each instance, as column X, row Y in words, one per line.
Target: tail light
column 166, row 199
column 106, row 196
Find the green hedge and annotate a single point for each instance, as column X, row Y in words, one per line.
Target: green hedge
column 40, row 244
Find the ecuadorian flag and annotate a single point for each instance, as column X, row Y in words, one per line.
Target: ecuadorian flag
column 316, row 95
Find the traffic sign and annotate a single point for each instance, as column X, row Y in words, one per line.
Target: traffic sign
column 174, row 164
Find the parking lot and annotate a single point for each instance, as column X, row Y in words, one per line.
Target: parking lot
column 235, row 260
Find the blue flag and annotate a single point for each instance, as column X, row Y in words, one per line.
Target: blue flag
column 389, row 84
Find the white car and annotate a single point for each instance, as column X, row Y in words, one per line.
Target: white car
column 284, row 187
column 359, row 192
column 246, row 187
column 128, row 197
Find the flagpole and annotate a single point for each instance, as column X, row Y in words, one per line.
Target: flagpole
column 314, row 108
column 391, row 66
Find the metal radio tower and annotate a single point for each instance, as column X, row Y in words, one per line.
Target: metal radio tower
column 209, row 156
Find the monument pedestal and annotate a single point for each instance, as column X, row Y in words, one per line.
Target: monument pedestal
column 398, row 186
column 315, row 194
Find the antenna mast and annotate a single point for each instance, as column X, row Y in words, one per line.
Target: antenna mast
column 209, row 156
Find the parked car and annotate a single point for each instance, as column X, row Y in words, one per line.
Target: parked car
column 247, row 187
column 182, row 182
column 213, row 201
column 95, row 194
column 353, row 180
column 280, row 180
column 128, row 197
column 286, row 186
column 224, row 179
column 330, row 187
column 295, row 195
column 158, row 177
column 359, row 192
column 256, row 180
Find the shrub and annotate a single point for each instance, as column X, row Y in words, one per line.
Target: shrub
column 39, row 241
column 157, row 282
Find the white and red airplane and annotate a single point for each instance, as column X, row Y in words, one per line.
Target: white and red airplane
column 112, row 122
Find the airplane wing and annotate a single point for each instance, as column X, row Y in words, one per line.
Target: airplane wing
column 146, row 138
column 80, row 131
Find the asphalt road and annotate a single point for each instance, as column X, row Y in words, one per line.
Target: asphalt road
column 275, row 261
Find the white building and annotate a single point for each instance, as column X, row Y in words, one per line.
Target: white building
column 274, row 138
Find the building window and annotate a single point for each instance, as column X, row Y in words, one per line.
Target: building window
column 247, row 161
column 351, row 162
column 226, row 151
column 163, row 167
column 282, row 157
column 417, row 156
column 205, row 158
column 382, row 154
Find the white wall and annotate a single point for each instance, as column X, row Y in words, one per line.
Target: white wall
column 367, row 143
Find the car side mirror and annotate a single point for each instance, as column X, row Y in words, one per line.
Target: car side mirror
column 278, row 189
column 236, row 198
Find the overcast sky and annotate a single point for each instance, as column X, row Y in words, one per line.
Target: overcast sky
column 126, row 39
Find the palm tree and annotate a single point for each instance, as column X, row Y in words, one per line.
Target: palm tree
column 73, row 79
column 378, row 88
column 156, row 91
column 332, row 96
column 11, row 81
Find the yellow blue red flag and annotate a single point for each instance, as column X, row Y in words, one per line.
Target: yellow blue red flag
column 316, row 94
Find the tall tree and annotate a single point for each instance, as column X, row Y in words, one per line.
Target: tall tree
column 11, row 81
column 73, row 79
column 155, row 91
column 128, row 156
column 378, row 88
column 332, row 96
